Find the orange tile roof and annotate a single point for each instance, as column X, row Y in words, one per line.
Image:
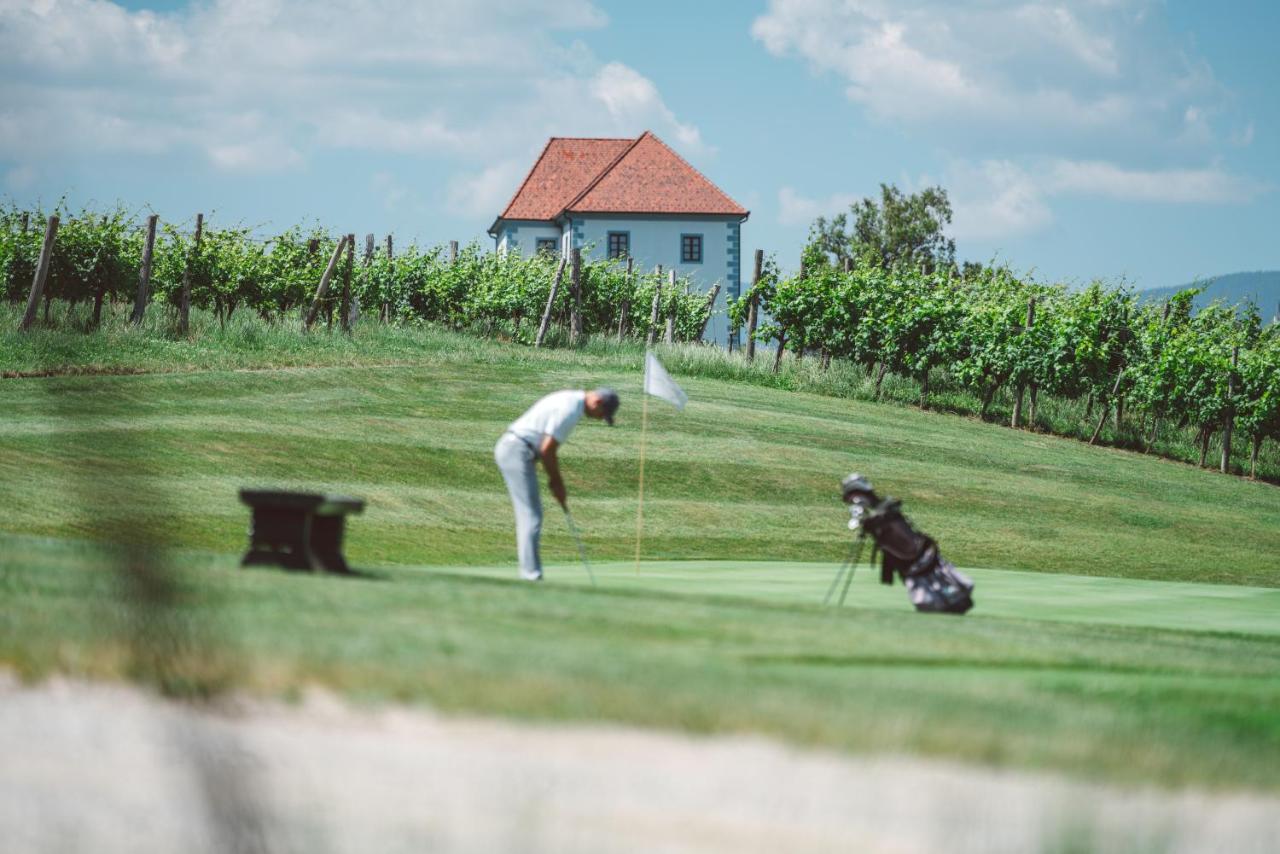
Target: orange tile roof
column 561, row 171
column 615, row 176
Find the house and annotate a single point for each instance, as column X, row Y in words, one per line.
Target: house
column 629, row 198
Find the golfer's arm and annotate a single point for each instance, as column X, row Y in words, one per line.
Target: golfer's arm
column 549, row 462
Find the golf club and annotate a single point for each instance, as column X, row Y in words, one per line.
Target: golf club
column 850, row 564
column 582, row 552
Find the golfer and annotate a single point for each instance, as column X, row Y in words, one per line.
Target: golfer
column 535, row 436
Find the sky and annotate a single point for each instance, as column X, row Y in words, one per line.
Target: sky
column 1133, row 141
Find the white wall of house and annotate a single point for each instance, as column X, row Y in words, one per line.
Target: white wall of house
column 656, row 239
column 522, row 235
column 653, row 239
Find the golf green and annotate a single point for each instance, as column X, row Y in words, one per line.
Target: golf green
column 1185, row 606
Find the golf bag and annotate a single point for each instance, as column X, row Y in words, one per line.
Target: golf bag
column 932, row 582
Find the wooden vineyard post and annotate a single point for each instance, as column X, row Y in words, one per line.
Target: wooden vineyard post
column 669, row 335
column 551, row 301
column 1229, row 416
column 711, row 304
column 42, row 273
column 782, row 346
column 386, row 304
column 453, row 251
column 184, row 307
column 652, row 335
column 1115, row 389
column 753, row 309
column 144, row 272
column 1016, row 422
column 798, row 352
column 625, row 311
column 575, row 287
column 345, row 319
column 324, row 284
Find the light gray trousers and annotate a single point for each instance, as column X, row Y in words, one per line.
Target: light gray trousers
column 518, row 465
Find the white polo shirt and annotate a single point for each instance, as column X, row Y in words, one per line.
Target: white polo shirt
column 554, row 415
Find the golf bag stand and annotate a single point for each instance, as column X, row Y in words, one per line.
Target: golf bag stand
column 932, row 582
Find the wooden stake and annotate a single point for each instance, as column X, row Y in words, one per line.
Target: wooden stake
column 386, row 304
column 346, row 283
column 1115, row 389
column 184, row 307
column 324, row 283
column 1016, row 421
column 144, row 272
column 669, row 336
column 42, row 273
column 1230, row 415
column 453, row 251
column 753, row 309
column 711, row 304
column 551, row 301
column 652, row 335
column 575, row 283
column 625, row 311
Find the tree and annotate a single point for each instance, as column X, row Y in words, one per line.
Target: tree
column 898, row 229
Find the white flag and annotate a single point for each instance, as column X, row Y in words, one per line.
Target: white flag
column 658, row 383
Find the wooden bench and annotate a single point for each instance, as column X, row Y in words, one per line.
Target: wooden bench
column 297, row 530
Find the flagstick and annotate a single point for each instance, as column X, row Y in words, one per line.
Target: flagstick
column 644, row 429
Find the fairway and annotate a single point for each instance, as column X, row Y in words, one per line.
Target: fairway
column 1125, row 624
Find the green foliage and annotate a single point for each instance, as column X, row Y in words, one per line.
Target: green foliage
column 948, row 331
column 897, row 230
column 97, row 257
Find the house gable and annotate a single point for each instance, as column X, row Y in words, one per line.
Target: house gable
column 561, row 171
column 649, row 177
column 644, row 175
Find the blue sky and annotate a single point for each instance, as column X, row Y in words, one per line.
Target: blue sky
column 1120, row 139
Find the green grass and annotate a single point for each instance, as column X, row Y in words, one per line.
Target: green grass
column 708, row 649
column 1079, row 661
column 249, row 342
column 744, row 473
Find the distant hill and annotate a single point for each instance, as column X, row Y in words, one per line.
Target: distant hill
column 1261, row 288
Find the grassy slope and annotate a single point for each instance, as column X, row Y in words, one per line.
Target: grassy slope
column 745, row 473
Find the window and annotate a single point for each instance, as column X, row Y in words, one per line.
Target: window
column 547, row 246
column 691, row 248
column 619, row 244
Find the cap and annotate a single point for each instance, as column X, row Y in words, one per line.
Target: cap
column 609, row 400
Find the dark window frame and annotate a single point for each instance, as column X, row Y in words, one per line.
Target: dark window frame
column 686, row 242
column 550, row 245
column 618, row 244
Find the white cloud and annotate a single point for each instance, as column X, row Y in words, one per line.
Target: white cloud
column 995, row 199
column 795, row 209
column 1175, row 186
column 20, row 178
column 633, row 101
column 484, row 193
column 255, row 156
column 262, row 85
column 1006, row 69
